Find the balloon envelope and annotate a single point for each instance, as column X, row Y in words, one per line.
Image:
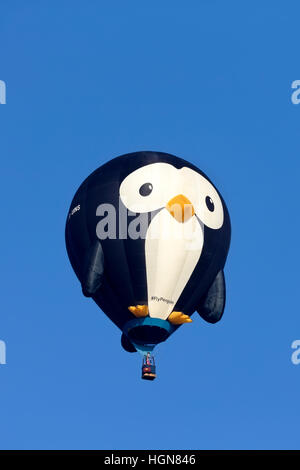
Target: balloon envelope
column 147, row 235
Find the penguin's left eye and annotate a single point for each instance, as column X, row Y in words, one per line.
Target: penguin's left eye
column 209, row 204
column 146, row 189
column 206, row 200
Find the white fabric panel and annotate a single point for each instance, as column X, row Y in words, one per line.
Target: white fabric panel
column 172, row 252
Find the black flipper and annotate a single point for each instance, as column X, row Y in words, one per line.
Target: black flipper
column 127, row 345
column 93, row 271
column 212, row 306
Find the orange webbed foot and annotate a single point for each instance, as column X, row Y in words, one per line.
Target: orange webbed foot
column 178, row 318
column 139, row 310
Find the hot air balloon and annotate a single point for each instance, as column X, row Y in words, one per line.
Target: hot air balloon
column 147, row 235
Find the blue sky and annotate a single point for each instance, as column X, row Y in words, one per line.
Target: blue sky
column 209, row 81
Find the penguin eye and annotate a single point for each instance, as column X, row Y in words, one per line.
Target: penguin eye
column 146, row 189
column 150, row 187
column 205, row 198
column 209, row 204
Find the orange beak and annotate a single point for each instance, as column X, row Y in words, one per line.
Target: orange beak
column 181, row 208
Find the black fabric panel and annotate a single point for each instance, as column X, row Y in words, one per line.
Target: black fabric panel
column 213, row 305
column 94, row 270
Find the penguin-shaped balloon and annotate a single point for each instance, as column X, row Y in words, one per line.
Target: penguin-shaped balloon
column 147, row 235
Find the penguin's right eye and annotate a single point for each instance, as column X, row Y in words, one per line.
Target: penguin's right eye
column 146, row 189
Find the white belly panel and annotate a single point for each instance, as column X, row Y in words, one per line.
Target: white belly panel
column 173, row 250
